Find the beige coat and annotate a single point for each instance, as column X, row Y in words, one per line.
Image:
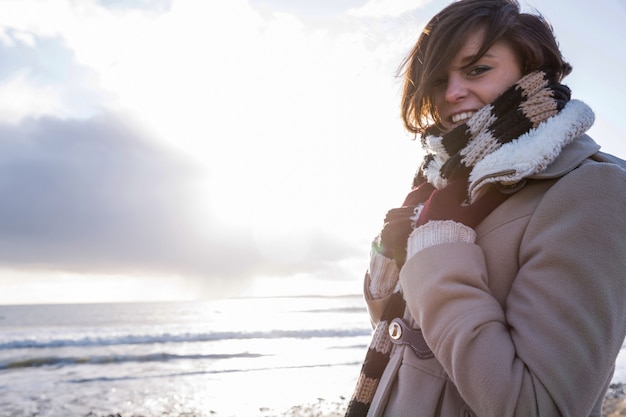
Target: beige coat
column 529, row 320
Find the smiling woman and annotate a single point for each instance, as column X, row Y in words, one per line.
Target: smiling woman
column 179, row 149
column 472, row 265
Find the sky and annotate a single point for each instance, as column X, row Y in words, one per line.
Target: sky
column 191, row 149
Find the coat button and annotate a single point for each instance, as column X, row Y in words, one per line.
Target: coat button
column 395, row 330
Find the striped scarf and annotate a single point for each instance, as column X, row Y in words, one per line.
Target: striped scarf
column 376, row 359
column 531, row 101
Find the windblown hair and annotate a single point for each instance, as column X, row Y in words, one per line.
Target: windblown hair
column 530, row 36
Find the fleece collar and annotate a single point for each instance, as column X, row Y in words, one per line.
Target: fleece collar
column 533, row 154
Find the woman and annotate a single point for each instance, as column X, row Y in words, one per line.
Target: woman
column 499, row 287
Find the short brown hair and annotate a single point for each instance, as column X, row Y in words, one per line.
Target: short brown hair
column 530, row 36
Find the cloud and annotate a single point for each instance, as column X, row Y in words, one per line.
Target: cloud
column 38, row 77
column 94, row 196
column 152, row 6
column 387, row 8
column 76, row 193
column 19, row 98
column 250, row 145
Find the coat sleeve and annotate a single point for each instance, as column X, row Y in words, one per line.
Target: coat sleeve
column 552, row 348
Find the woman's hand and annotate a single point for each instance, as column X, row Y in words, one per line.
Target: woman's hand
column 398, row 225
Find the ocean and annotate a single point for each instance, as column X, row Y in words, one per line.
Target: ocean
column 245, row 357
column 236, row 357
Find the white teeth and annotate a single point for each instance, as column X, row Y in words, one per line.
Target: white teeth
column 465, row 116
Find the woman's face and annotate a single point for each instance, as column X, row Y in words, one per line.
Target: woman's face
column 461, row 91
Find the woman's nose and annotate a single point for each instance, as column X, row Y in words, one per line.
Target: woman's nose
column 455, row 89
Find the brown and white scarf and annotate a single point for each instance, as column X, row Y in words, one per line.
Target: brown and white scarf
column 510, row 139
column 516, row 136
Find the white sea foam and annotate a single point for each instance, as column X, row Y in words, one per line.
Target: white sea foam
column 176, row 358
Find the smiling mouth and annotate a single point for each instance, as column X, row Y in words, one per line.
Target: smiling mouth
column 462, row 117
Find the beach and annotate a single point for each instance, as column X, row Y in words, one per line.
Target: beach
column 615, row 406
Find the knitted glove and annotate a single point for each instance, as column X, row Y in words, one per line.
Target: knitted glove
column 398, row 225
column 396, row 230
column 381, row 276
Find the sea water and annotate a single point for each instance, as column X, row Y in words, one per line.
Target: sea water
column 237, row 357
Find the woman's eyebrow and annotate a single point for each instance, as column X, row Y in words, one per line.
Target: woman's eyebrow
column 466, row 60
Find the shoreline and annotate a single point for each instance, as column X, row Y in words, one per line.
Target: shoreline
column 615, row 401
column 614, row 406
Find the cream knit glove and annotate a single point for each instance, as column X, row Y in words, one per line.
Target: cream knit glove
column 383, row 275
column 436, row 232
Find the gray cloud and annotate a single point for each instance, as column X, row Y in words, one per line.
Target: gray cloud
column 158, row 6
column 84, row 191
column 95, row 196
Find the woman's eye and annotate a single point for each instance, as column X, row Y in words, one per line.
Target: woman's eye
column 478, row 70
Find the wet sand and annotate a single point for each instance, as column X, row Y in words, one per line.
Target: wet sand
column 614, row 406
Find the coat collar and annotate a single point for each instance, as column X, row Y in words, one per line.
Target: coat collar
column 571, row 156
